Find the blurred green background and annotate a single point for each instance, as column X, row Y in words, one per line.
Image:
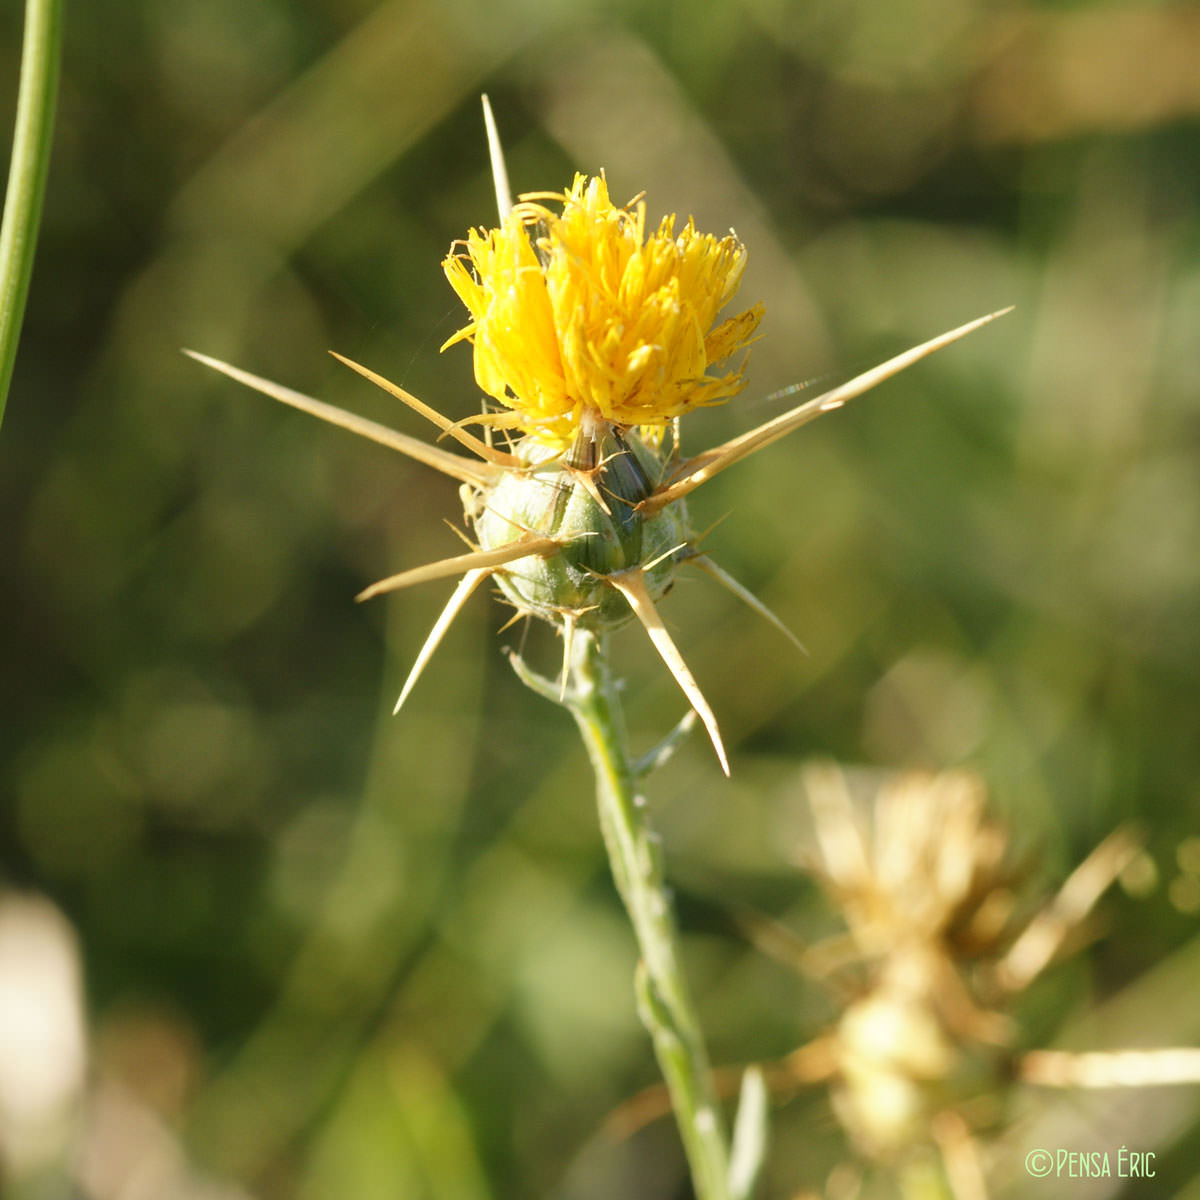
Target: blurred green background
column 329, row 953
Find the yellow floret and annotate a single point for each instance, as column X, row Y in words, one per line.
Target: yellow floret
column 580, row 314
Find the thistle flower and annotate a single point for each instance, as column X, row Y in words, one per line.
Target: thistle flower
column 593, row 337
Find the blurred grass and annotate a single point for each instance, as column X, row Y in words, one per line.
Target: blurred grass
column 386, row 950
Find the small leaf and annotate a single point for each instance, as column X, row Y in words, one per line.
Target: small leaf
column 749, row 1136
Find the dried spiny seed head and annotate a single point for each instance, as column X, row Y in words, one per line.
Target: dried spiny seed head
column 927, row 864
column 924, row 883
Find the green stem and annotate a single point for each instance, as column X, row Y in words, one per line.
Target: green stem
column 633, row 851
column 27, row 173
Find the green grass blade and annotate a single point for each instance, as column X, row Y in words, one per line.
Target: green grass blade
column 32, row 135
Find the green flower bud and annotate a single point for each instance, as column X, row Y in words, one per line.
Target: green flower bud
column 588, row 501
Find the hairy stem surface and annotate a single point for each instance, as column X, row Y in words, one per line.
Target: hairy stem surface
column 634, row 854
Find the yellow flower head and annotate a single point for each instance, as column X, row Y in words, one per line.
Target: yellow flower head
column 580, row 314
